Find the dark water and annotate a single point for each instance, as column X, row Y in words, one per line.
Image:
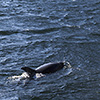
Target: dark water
column 34, row 32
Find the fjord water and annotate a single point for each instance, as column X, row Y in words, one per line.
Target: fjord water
column 34, row 32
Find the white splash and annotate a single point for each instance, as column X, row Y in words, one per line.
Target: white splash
column 39, row 75
column 23, row 76
column 26, row 76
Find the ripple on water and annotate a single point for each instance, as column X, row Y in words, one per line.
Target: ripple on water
column 35, row 32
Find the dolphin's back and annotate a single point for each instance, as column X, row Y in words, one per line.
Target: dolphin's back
column 49, row 67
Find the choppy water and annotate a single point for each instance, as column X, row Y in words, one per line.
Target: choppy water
column 34, row 32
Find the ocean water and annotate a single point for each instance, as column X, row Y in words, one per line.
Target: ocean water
column 34, row 32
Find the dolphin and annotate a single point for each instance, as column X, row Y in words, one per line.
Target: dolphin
column 45, row 68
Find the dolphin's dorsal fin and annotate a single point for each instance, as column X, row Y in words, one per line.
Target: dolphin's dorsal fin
column 31, row 72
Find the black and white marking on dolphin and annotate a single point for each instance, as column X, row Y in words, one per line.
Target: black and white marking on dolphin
column 45, row 68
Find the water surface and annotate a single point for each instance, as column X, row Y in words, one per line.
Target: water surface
column 34, row 32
